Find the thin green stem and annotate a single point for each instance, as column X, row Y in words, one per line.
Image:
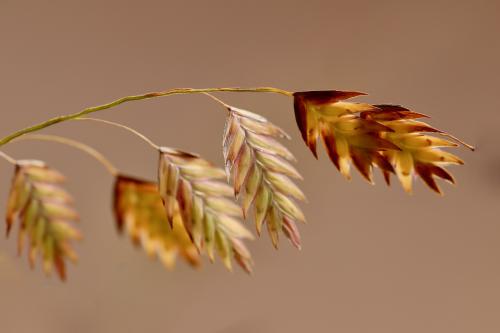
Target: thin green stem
column 176, row 91
column 112, row 123
column 8, row 158
column 75, row 144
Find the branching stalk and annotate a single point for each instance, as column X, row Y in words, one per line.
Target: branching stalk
column 218, row 100
column 7, row 158
column 176, row 91
column 131, row 130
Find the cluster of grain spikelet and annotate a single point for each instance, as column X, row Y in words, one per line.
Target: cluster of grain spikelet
column 258, row 166
column 139, row 211
column 193, row 187
column 44, row 212
column 189, row 212
column 386, row 136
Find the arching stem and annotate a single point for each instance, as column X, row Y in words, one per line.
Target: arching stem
column 75, row 144
column 176, row 91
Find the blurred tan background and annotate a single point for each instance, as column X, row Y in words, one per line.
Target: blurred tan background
column 374, row 259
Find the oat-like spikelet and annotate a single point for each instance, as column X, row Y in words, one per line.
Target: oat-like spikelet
column 139, row 212
column 44, row 211
column 386, row 136
column 259, row 169
column 206, row 205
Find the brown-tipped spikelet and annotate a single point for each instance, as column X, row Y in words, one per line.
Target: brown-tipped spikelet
column 258, row 166
column 418, row 152
column 206, row 205
column 44, row 212
column 386, row 136
column 140, row 213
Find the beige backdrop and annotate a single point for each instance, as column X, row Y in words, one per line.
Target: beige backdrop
column 374, row 260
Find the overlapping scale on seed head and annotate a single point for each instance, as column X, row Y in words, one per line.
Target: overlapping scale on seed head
column 140, row 213
column 206, row 205
column 364, row 135
column 259, row 168
column 419, row 152
column 44, row 212
column 348, row 138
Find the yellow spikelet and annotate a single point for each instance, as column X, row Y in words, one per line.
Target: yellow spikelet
column 419, row 153
column 365, row 135
column 259, row 168
column 206, row 205
column 140, row 213
column 44, row 211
